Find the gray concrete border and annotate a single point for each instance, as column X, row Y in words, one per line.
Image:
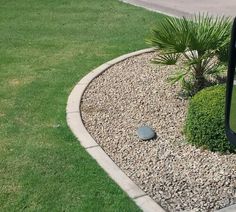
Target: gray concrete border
column 74, row 121
column 157, row 8
column 187, row 8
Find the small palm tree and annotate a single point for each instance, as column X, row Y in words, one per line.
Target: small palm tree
column 201, row 42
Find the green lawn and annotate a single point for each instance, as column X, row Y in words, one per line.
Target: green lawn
column 45, row 48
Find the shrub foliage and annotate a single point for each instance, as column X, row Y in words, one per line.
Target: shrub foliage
column 205, row 125
column 201, row 42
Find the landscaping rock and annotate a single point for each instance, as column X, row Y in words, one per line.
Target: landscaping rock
column 145, row 133
column 177, row 175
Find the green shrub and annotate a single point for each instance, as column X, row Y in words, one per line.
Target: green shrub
column 205, row 125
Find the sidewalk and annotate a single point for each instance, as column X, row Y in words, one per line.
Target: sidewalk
column 188, row 7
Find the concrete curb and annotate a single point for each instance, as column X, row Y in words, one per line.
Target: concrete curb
column 76, row 125
column 157, row 8
column 187, row 8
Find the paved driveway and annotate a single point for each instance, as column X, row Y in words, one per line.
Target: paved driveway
column 188, row 7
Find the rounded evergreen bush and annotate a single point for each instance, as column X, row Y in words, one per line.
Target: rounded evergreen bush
column 204, row 126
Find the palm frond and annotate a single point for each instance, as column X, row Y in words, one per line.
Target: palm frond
column 179, row 76
column 216, row 69
column 223, row 53
column 171, row 35
column 209, row 32
column 166, row 59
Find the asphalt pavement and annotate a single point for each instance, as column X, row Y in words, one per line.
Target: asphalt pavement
column 187, row 8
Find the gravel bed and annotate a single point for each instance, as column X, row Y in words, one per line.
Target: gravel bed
column 177, row 175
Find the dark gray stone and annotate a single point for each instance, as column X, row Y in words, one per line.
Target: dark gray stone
column 145, row 133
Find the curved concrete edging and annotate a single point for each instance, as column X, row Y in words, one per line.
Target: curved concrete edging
column 187, row 8
column 157, row 8
column 74, row 121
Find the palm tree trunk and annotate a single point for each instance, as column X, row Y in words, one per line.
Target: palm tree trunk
column 200, row 81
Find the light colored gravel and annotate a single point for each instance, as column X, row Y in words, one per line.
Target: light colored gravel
column 175, row 174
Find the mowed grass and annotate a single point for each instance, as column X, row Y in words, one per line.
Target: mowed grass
column 45, row 48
